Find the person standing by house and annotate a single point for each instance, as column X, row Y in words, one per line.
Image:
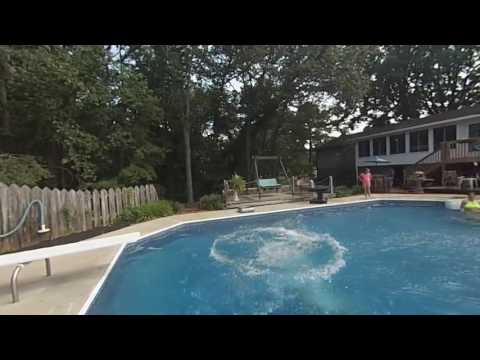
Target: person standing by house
column 366, row 181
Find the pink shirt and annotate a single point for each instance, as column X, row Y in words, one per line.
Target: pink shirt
column 366, row 179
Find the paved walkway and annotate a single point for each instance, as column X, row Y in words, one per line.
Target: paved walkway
column 75, row 276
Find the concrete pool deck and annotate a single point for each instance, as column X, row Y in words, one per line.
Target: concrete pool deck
column 75, row 276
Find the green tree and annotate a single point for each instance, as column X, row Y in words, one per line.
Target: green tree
column 5, row 75
column 409, row 81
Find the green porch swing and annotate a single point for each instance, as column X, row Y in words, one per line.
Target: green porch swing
column 267, row 183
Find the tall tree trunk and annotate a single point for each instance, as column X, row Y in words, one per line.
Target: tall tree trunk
column 188, row 151
column 4, row 115
column 4, row 75
column 310, row 141
column 274, row 142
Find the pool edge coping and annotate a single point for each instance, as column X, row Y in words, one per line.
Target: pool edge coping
column 93, row 294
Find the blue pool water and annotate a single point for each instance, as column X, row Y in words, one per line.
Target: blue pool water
column 371, row 258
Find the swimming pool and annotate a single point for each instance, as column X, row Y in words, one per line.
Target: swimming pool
column 381, row 257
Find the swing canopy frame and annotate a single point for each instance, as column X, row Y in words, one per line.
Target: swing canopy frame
column 267, row 183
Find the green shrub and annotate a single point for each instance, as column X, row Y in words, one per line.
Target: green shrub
column 300, row 168
column 22, row 170
column 146, row 212
column 177, row 206
column 129, row 216
column 211, row 202
column 357, row 189
column 134, row 175
column 342, row 191
column 105, row 184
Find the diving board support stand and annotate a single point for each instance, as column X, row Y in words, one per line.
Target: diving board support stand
column 13, row 282
column 16, row 272
column 48, row 267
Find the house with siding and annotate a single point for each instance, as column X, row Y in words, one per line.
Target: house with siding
column 440, row 144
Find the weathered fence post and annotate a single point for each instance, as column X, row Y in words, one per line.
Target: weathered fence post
column 52, row 211
column 81, row 211
column 136, row 192
column 104, row 207
column 96, row 208
column 125, row 203
column 4, row 206
column 88, row 210
column 118, row 201
column 112, row 205
column 143, row 197
column 16, row 205
column 155, row 194
column 35, row 194
column 25, row 231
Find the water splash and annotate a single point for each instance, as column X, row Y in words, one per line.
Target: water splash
column 277, row 249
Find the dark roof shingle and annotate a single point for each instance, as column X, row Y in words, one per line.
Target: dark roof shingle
column 472, row 110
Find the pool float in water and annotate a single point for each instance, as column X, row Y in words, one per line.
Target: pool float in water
column 453, row 204
column 472, row 206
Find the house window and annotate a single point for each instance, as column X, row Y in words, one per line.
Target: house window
column 397, row 144
column 419, row 141
column 364, row 148
column 448, row 133
column 380, row 146
column 474, row 132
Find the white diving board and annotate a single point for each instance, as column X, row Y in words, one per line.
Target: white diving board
column 73, row 248
column 22, row 258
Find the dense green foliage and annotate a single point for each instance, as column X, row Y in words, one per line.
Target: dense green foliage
column 21, row 170
column 178, row 207
column 186, row 117
column 342, row 191
column 147, row 212
column 211, row 202
column 410, row 81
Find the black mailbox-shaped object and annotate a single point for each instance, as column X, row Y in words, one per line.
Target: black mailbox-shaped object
column 321, row 191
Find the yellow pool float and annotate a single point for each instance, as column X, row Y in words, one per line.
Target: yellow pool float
column 472, row 206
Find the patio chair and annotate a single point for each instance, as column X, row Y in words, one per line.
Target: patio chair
column 450, row 178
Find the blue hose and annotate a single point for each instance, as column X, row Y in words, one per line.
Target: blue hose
column 24, row 217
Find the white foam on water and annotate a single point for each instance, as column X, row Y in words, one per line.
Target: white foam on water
column 282, row 259
column 278, row 248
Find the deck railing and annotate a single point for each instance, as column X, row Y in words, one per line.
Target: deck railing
column 448, row 152
column 465, row 150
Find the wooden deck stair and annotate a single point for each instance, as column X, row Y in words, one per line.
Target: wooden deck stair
column 449, row 152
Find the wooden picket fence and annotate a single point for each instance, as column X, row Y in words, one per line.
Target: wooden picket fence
column 67, row 211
